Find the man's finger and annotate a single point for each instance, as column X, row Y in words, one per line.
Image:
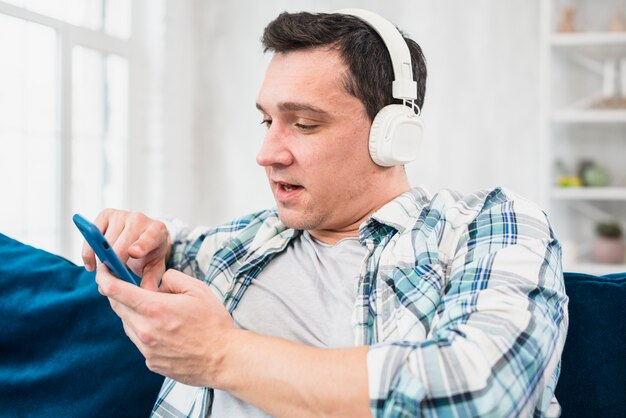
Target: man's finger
column 102, row 223
column 113, row 233
column 102, row 220
column 151, row 239
column 122, row 242
column 88, row 256
column 121, row 291
column 130, row 319
column 152, row 274
column 176, row 282
column 132, row 335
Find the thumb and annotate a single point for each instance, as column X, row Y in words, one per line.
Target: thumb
column 176, row 282
column 152, row 274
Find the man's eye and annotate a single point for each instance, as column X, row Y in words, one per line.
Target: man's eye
column 304, row 127
column 266, row 122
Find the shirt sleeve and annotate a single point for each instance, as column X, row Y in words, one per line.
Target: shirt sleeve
column 186, row 243
column 193, row 248
column 495, row 343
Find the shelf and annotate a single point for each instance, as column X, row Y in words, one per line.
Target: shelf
column 596, row 39
column 583, row 111
column 589, row 116
column 595, row 268
column 599, row 44
column 578, row 70
column 589, row 193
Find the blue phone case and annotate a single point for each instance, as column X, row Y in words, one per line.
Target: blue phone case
column 103, row 250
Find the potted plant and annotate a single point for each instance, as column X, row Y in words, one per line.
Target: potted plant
column 608, row 247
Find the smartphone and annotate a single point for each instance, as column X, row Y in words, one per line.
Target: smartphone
column 103, row 250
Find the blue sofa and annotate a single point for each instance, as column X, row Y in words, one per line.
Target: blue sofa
column 63, row 351
column 593, row 366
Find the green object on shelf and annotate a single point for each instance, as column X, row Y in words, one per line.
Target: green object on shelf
column 595, row 176
column 609, row 229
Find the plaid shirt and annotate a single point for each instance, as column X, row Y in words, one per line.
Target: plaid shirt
column 460, row 298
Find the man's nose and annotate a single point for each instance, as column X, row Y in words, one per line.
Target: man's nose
column 275, row 149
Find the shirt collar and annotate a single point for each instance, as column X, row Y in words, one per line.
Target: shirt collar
column 399, row 214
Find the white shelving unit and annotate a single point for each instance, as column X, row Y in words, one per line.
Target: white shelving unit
column 574, row 116
column 590, row 193
column 596, row 43
column 573, row 79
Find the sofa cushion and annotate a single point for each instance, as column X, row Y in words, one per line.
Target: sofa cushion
column 63, row 352
column 593, row 367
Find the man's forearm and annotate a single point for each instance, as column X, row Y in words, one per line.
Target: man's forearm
column 287, row 379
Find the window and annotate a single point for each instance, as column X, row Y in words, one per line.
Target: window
column 99, row 126
column 29, row 132
column 109, row 16
column 64, row 88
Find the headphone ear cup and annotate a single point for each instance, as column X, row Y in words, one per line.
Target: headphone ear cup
column 376, row 132
column 395, row 136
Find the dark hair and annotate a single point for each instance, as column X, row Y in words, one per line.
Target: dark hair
column 365, row 54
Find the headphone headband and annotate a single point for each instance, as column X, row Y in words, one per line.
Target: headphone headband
column 404, row 86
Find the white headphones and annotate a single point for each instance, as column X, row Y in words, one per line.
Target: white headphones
column 397, row 130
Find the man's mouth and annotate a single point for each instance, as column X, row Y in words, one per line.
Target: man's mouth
column 286, row 192
column 288, row 187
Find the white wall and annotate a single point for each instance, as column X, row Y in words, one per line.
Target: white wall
column 164, row 136
column 481, row 108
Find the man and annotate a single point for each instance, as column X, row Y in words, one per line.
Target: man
column 358, row 296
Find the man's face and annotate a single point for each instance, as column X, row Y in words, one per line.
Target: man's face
column 315, row 152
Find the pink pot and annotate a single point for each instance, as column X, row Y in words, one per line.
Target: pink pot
column 608, row 250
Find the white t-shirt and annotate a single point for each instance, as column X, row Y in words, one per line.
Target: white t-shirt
column 306, row 294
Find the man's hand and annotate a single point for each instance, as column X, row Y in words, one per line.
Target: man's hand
column 140, row 242
column 180, row 330
column 186, row 334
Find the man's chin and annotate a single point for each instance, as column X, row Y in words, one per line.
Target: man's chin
column 296, row 219
column 290, row 221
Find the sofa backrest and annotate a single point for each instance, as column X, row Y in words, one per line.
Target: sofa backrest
column 593, row 367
